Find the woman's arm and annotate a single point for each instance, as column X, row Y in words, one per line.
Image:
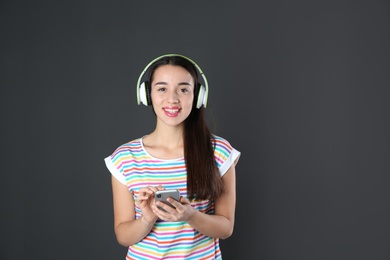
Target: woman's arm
column 222, row 223
column 128, row 230
column 219, row 225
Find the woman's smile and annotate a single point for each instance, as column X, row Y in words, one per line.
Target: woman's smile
column 172, row 111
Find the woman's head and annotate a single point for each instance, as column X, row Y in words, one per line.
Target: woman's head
column 172, row 90
column 200, row 81
column 176, row 61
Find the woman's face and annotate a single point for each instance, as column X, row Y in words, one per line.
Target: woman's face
column 172, row 93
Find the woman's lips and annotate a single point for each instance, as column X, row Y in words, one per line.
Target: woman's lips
column 171, row 111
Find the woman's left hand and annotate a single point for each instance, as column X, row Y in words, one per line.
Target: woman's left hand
column 183, row 210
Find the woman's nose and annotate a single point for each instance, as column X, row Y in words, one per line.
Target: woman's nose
column 173, row 98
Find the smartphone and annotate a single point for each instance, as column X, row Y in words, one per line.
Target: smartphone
column 162, row 195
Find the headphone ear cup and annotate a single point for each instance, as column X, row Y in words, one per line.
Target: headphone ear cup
column 143, row 93
column 148, row 93
column 201, row 100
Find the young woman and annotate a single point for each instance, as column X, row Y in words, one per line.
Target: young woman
column 179, row 154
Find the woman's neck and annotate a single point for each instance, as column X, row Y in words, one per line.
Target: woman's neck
column 165, row 142
column 166, row 138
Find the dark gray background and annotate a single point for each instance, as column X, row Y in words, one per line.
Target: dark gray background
column 301, row 88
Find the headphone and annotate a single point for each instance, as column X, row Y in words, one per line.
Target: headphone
column 143, row 84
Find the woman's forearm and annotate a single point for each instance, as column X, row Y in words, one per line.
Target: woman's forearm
column 131, row 232
column 221, row 224
column 216, row 226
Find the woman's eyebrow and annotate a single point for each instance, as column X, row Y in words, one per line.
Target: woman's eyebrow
column 161, row 83
column 184, row 83
column 180, row 84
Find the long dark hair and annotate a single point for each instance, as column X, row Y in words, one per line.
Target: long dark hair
column 203, row 178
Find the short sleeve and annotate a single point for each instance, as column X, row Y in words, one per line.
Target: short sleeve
column 115, row 171
column 225, row 155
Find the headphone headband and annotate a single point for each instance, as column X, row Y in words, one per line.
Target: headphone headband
column 143, row 93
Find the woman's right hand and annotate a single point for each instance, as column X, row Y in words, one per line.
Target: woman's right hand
column 145, row 200
column 128, row 229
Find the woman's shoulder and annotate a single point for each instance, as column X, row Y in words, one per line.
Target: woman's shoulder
column 129, row 147
column 136, row 143
column 225, row 154
column 221, row 142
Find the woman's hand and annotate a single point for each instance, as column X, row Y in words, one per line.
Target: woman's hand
column 145, row 200
column 183, row 210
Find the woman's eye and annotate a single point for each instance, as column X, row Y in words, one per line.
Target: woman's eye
column 162, row 89
column 184, row 90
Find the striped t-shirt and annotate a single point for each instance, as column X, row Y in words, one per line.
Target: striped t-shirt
column 133, row 166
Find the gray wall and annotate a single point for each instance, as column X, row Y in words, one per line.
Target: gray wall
column 301, row 88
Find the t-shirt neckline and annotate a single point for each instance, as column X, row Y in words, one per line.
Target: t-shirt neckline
column 156, row 158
